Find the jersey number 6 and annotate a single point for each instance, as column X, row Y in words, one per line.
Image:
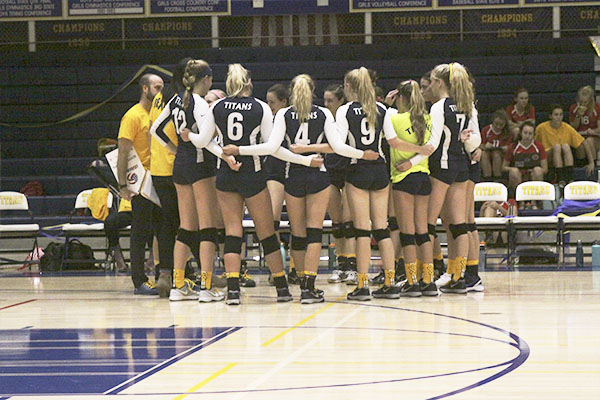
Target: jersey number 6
column 235, row 129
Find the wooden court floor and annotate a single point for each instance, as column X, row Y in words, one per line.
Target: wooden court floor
column 530, row 335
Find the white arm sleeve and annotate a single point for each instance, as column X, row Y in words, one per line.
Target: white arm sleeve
column 437, row 127
column 271, row 138
column 388, row 127
column 337, row 133
column 206, row 131
column 475, row 139
column 214, row 148
column 286, row 155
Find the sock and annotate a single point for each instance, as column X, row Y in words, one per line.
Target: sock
column 300, row 273
column 460, row 265
column 179, row 278
column 472, row 267
column 351, row 262
column 293, row 266
column 411, row 273
column 206, row 280
column 279, row 279
column 363, row 280
column 428, row 273
column 342, row 261
column 419, row 270
column 451, row 266
column 309, row 278
column 233, row 281
column 389, row 277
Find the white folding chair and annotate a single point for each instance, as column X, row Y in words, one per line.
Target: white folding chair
column 490, row 191
column 17, row 202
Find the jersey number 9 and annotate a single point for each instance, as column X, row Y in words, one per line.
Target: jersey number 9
column 368, row 135
column 235, row 129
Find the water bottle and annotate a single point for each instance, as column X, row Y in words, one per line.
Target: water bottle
column 596, row 255
column 579, row 255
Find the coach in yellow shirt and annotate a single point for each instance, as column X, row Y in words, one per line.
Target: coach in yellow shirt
column 558, row 138
column 134, row 129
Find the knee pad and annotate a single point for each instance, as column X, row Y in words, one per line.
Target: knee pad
column 393, row 224
column 314, row 235
column 380, row 234
column 471, row 227
column 337, row 230
column 209, row 235
column 458, row 229
column 422, row 238
column 298, row 243
column 221, row 236
column 406, row 239
column 361, row 233
column 349, row 230
column 431, row 230
column 190, row 238
column 276, row 225
column 270, row 244
column 233, row 244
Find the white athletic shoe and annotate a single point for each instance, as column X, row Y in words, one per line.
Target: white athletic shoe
column 184, row 293
column 208, row 295
column 351, row 278
column 443, row 280
column 337, row 276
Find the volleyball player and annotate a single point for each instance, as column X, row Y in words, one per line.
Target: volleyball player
column 242, row 120
column 454, row 135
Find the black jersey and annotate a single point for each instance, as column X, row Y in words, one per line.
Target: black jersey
column 447, row 124
column 238, row 121
column 309, row 132
column 351, row 118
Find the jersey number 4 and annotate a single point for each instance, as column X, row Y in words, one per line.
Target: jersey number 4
column 302, row 135
column 235, row 129
column 368, row 135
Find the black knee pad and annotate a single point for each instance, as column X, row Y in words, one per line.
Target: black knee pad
column 190, row 238
column 361, row 233
column 276, row 225
column 298, row 243
column 349, row 230
column 270, row 244
column 380, row 234
column 209, row 235
column 431, row 230
column 337, row 230
column 233, row 244
column 406, row 239
column 471, row 227
column 393, row 224
column 221, row 236
column 458, row 229
column 314, row 235
column 422, row 238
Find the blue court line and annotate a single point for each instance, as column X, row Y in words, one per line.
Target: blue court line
column 165, row 364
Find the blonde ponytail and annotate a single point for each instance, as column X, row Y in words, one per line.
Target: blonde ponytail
column 238, row 80
column 461, row 89
column 194, row 71
column 413, row 98
column 302, row 96
column 361, row 84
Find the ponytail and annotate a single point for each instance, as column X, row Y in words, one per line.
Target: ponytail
column 195, row 70
column 459, row 84
column 360, row 83
column 238, row 80
column 411, row 93
column 302, row 96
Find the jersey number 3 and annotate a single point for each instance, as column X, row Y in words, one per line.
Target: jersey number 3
column 235, row 129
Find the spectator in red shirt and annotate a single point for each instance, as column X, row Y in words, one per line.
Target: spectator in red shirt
column 525, row 160
column 583, row 116
column 495, row 139
column 520, row 111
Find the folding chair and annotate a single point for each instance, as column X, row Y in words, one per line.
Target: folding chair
column 581, row 191
column 491, row 191
column 17, row 202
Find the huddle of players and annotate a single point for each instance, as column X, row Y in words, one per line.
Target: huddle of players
column 428, row 157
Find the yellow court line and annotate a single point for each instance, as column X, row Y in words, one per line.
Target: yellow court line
column 288, row 330
column 207, row 380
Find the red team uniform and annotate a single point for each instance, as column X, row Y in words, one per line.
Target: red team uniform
column 589, row 120
column 488, row 135
column 525, row 158
column 514, row 115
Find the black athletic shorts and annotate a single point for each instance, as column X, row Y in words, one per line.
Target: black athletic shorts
column 305, row 181
column 374, row 176
column 189, row 173
column 275, row 169
column 247, row 184
column 416, row 183
column 456, row 172
column 475, row 172
column 337, row 177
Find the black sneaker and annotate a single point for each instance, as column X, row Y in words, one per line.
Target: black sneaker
column 308, row 296
column 233, row 298
column 362, row 294
column 428, row 289
column 293, row 278
column 245, row 279
column 457, row 287
column 438, row 269
column 379, row 279
column 387, row 292
column 284, row 295
column 473, row 283
column 408, row 290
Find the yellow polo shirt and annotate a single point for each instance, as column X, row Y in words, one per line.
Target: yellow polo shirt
column 565, row 134
column 135, row 127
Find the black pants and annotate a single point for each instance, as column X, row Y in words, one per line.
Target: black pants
column 168, row 220
column 113, row 224
column 143, row 221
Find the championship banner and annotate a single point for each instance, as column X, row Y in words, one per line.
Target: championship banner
column 476, row 3
column 105, row 7
column 417, row 25
column 508, row 23
column 574, row 20
column 30, row 9
column 186, row 7
column 559, row 2
column 79, row 34
column 388, row 5
column 168, row 33
column 289, row 7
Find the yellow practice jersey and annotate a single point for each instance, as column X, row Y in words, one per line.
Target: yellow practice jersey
column 404, row 131
column 135, row 127
column 162, row 158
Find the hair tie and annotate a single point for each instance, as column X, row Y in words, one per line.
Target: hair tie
column 188, row 88
column 450, row 76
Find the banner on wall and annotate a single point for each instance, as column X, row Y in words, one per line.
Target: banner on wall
column 83, row 34
column 388, row 5
column 168, row 32
column 476, row 3
column 418, row 25
column 105, row 7
column 214, row 7
column 13, row 36
column 576, row 19
column 508, row 23
column 559, row 2
column 30, row 8
column 289, row 7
